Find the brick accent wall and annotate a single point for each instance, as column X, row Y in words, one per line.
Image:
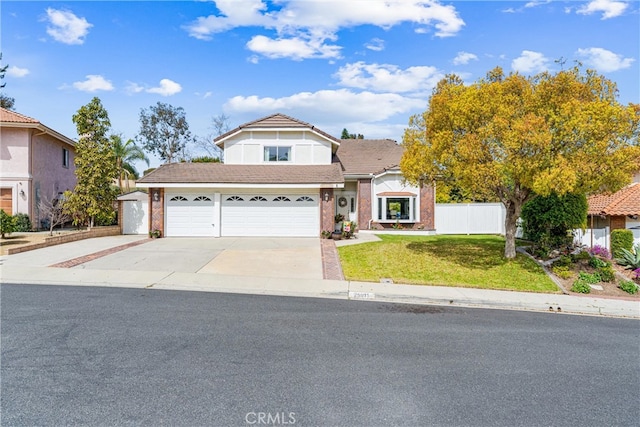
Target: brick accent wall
column 327, row 210
column 112, row 230
column 427, row 207
column 364, row 203
column 156, row 211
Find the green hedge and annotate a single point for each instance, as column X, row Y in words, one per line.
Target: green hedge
column 621, row 239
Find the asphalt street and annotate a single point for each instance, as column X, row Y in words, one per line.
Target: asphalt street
column 117, row 356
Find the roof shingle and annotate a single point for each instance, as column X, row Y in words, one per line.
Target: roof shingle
column 220, row 173
column 8, row 116
column 623, row 202
column 366, row 156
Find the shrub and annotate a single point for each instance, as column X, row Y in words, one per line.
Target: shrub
column 582, row 255
column 590, row 278
column 22, row 223
column 548, row 221
column 581, row 287
column 563, row 261
column 6, row 223
column 628, row 259
column 621, row 239
column 597, row 262
column 562, row 272
column 606, row 273
column 629, row 287
column 600, row 251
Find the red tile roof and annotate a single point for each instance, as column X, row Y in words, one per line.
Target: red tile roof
column 8, row 116
column 220, row 173
column 623, row 202
column 368, row 156
column 276, row 121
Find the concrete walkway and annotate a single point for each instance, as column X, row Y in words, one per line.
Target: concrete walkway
column 35, row 267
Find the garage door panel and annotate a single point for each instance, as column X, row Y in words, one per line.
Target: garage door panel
column 270, row 218
column 190, row 215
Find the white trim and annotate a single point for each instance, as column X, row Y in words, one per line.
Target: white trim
column 187, row 185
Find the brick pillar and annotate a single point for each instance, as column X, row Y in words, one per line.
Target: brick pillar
column 427, row 207
column 617, row 222
column 327, row 209
column 120, row 217
column 156, row 210
column 364, row 203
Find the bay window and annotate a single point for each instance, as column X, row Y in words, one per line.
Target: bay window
column 400, row 208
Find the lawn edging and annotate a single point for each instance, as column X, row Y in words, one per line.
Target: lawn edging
column 546, row 269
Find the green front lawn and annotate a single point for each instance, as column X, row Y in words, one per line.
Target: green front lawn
column 468, row 261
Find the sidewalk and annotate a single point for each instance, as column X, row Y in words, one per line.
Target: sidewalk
column 40, row 273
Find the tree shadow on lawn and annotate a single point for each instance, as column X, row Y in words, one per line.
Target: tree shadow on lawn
column 479, row 254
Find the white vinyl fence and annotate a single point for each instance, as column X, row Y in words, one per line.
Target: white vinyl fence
column 470, row 218
column 601, row 237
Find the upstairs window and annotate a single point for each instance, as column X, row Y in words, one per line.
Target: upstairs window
column 65, row 158
column 277, row 154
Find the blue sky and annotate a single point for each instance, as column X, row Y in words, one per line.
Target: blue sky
column 366, row 65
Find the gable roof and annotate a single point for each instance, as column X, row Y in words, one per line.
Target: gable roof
column 276, row 121
column 623, row 202
column 368, row 156
column 220, row 173
column 10, row 119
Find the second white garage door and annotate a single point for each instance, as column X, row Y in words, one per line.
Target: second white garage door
column 270, row 215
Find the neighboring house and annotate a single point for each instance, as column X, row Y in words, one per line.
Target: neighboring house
column 618, row 210
column 36, row 163
column 285, row 177
column 607, row 212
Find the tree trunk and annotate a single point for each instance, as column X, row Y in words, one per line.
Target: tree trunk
column 510, row 226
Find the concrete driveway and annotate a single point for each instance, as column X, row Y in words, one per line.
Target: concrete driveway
column 243, row 256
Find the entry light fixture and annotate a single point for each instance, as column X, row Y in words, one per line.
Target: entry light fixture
column 22, row 193
column 156, row 195
column 326, row 196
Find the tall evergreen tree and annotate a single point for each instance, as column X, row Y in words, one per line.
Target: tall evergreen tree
column 92, row 198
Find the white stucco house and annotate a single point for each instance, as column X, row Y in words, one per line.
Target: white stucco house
column 285, row 177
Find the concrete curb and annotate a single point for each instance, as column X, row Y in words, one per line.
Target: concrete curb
column 318, row 288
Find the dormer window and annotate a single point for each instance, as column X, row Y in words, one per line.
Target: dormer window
column 277, row 154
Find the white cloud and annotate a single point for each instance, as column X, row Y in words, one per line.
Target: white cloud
column 93, row 83
column 167, row 88
column 609, row 8
column 66, row 27
column 530, row 62
column 388, row 78
column 17, row 72
column 303, row 27
column 463, row 58
column 295, row 48
column 604, row 60
column 537, row 3
column 132, row 88
column 340, row 105
column 375, row 44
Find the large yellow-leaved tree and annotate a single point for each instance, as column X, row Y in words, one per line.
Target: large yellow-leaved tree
column 513, row 136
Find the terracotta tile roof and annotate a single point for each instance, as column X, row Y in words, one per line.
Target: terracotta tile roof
column 276, row 121
column 365, row 156
column 8, row 116
column 220, row 173
column 623, row 202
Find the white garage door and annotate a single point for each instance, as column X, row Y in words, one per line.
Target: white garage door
column 270, row 215
column 190, row 215
column 135, row 217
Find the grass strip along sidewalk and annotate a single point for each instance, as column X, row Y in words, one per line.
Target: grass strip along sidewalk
column 467, row 261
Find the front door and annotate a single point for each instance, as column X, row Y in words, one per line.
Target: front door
column 346, row 205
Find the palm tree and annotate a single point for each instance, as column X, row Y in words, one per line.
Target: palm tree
column 126, row 153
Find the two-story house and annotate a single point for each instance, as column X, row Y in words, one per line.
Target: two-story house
column 36, row 163
column 284, row 177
